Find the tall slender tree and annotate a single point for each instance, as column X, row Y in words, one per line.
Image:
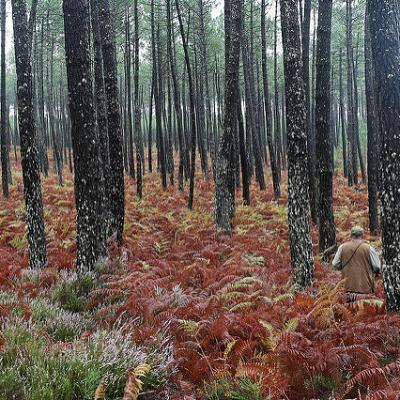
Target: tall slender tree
column 157, row 93
column 102, row 125
column 177, row 98
column 310, row 137
column 298, row 205
column 372, row 128
column 327, row 235
column 386, row 61
column 225, row 182
column 137, row 105
column 87, row 165
column 351, row 114
column 5, row 160
column 342, row 115
column 272, row 155
column 128, row 93
column 117, row 190
column 192, row 105
column 27, row 132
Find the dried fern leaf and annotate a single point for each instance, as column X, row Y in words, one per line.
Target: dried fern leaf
column 134, row 384
column 229, row 348
column 100, row 393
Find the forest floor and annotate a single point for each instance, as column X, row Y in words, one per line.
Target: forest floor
column 214, row 317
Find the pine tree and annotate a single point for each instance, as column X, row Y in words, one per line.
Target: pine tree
column 386, row 61
column 298, row 205
column 327, row 235
column 87, row 164
column 272, row 155
column 117, row 189
column 27, row 132
column 225, row 182
column 372, row 128
column 5, row 160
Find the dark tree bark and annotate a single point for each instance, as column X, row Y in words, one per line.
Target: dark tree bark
column 87, row 165
column 298, row 205
column 137, row 105
column 42, row 136
column 27, row 131
column 5, row 159
column 342, row 116
column 150, row 127
column 268, row 116
column 51, row 117
column 386, row 61
column 128, row 94
column 225, row 182
column 356, row 111
column 102, row 124
column 372, row 128
column 327, row 234
column 351, row 115
column 192, row 107
column 251, row 114
column 117, row 190
column 205, row 76
column 244, row 160
column 177, row 99
column 310, row 139
column 157, row 81
column 32, row 20
column 279, row 137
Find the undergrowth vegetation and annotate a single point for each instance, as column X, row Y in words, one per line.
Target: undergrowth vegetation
column 215, row 318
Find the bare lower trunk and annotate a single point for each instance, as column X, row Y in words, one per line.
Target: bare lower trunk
column 298, row 205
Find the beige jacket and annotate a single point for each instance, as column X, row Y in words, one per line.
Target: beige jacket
column 358, row 262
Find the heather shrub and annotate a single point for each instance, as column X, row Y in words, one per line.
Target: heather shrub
column 60, row 324
column 72, row 290
column 31, row 368
column 241, row 389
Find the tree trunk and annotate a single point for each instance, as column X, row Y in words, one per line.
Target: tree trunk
column 356, row 110
column 244, row 159
column 150, row 130
column 372, row 128
column 327, row 234
column 225, row 182
column 342, row 116
column 278, row 131
column 351, row 115
column 27, row 130
column 192, row 109
column 157, row 64
column 268, row 116
column 128, row 94
column 138, row 127
column 50, row 106
column 102, row 124
column 386, row 61
column 310, row 140
column 251, row 116
column 177, row 98
column 87, row 165
column 5, row 160
column 42, row 140
column 117, row 190
column 298, row 205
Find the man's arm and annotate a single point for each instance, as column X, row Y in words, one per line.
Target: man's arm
column 375, row 260
column 337, row 261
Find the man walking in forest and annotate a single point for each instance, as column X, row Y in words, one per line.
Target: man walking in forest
column 359, row 262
